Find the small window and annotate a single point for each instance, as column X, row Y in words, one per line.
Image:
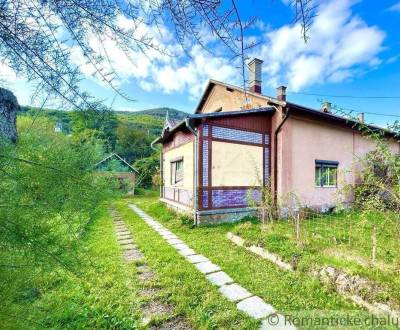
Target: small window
column 176, row 170
column 326, row 173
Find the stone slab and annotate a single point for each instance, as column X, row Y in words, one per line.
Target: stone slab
column 196, row 258
column 169, row 236
column 186, row 252
column 174, row 241
column 219, row 278
column 207, row 267
column 133, row 255
column 182, row 246
column 126, row 241
column 276, row 322
column 255, row 307
column 234, row 292
column 128, row 246
column 124, row 236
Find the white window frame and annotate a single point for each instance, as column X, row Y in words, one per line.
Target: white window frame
column 325, row 166
column 175, row 163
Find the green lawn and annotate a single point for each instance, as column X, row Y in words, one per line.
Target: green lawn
column 103, row 296
column 288, row 292
column 106, row 293
column 342, row 240
column 183, row 285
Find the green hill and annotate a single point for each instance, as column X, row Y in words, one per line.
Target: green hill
column 149, row 120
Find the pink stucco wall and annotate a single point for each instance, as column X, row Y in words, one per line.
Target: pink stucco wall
column 302, row 141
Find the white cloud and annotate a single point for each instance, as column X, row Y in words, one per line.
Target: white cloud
column 154, row 70
column 7, row 74
column 341, row 44
column 395, row 7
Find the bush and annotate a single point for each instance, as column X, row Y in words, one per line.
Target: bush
column 48, row 195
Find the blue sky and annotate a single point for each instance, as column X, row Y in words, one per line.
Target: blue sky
column 354, row 49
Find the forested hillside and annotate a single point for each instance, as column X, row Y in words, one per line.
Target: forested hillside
column 127, row 133
column 150, row 120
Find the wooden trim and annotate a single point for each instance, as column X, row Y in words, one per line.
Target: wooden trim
column 200, row 170
column 176, row 159
column 238, row 142
column 176, row 201
column 210, row 129
column 263, row 161
column 210, row 122
column 227, row 207
column 233, row 187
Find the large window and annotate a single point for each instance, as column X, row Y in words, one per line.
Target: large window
column 177, row 170
column 326, row 173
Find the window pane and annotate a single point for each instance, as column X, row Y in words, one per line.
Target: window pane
column 324, row 176
column 318, row 182
column 332, row 176
column 179, row 171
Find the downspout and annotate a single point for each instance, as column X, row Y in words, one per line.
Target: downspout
column 195, row 206
column 278, row 129
column 161, row 167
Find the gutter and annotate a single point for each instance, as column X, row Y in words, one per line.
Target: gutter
column 278, row 129
column 161, row 165
column 195, row 183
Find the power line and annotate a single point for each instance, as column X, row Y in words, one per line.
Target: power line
column 346, row 96
column 382, row 114
column 369, row 113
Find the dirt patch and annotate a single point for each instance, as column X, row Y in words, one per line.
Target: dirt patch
column 359, row 260
column 157, row 308
column 128, row 246
column 145, row 273
column 132, row 255
column 177, row 323
column 149, row 292
column 362, row 291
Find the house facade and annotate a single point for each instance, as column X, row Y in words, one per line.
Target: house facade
column 214, row 163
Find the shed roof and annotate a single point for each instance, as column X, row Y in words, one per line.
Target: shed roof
column 119, row 158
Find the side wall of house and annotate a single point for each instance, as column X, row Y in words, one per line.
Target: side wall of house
column 180, row 147
column 305, row 141
column 229, row 100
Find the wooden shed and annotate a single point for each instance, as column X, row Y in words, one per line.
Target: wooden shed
column 119, row 168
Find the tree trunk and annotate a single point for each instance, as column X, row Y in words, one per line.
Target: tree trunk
column 8, row 115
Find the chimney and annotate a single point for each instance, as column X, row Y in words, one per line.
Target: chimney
column 281, row 93
column 326, row 107
column 360, row 117
column 255, row 75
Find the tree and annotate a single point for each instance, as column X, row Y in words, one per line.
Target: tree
column 36, row 37
column 100, row 124
column 48, row 195
column 132, row 144
column 147, row 168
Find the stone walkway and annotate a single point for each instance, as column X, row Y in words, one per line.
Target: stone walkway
column 245, row 301
column 153, row 308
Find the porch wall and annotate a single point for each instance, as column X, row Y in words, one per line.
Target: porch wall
column 182, row 193
column 234, row 162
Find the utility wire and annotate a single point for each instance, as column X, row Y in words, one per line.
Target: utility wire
column 346, row 96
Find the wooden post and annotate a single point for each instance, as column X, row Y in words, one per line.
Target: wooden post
column 374, row 244
column 298, row 229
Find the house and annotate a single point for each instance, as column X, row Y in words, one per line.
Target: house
column 238, row 140
column 120, row 169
